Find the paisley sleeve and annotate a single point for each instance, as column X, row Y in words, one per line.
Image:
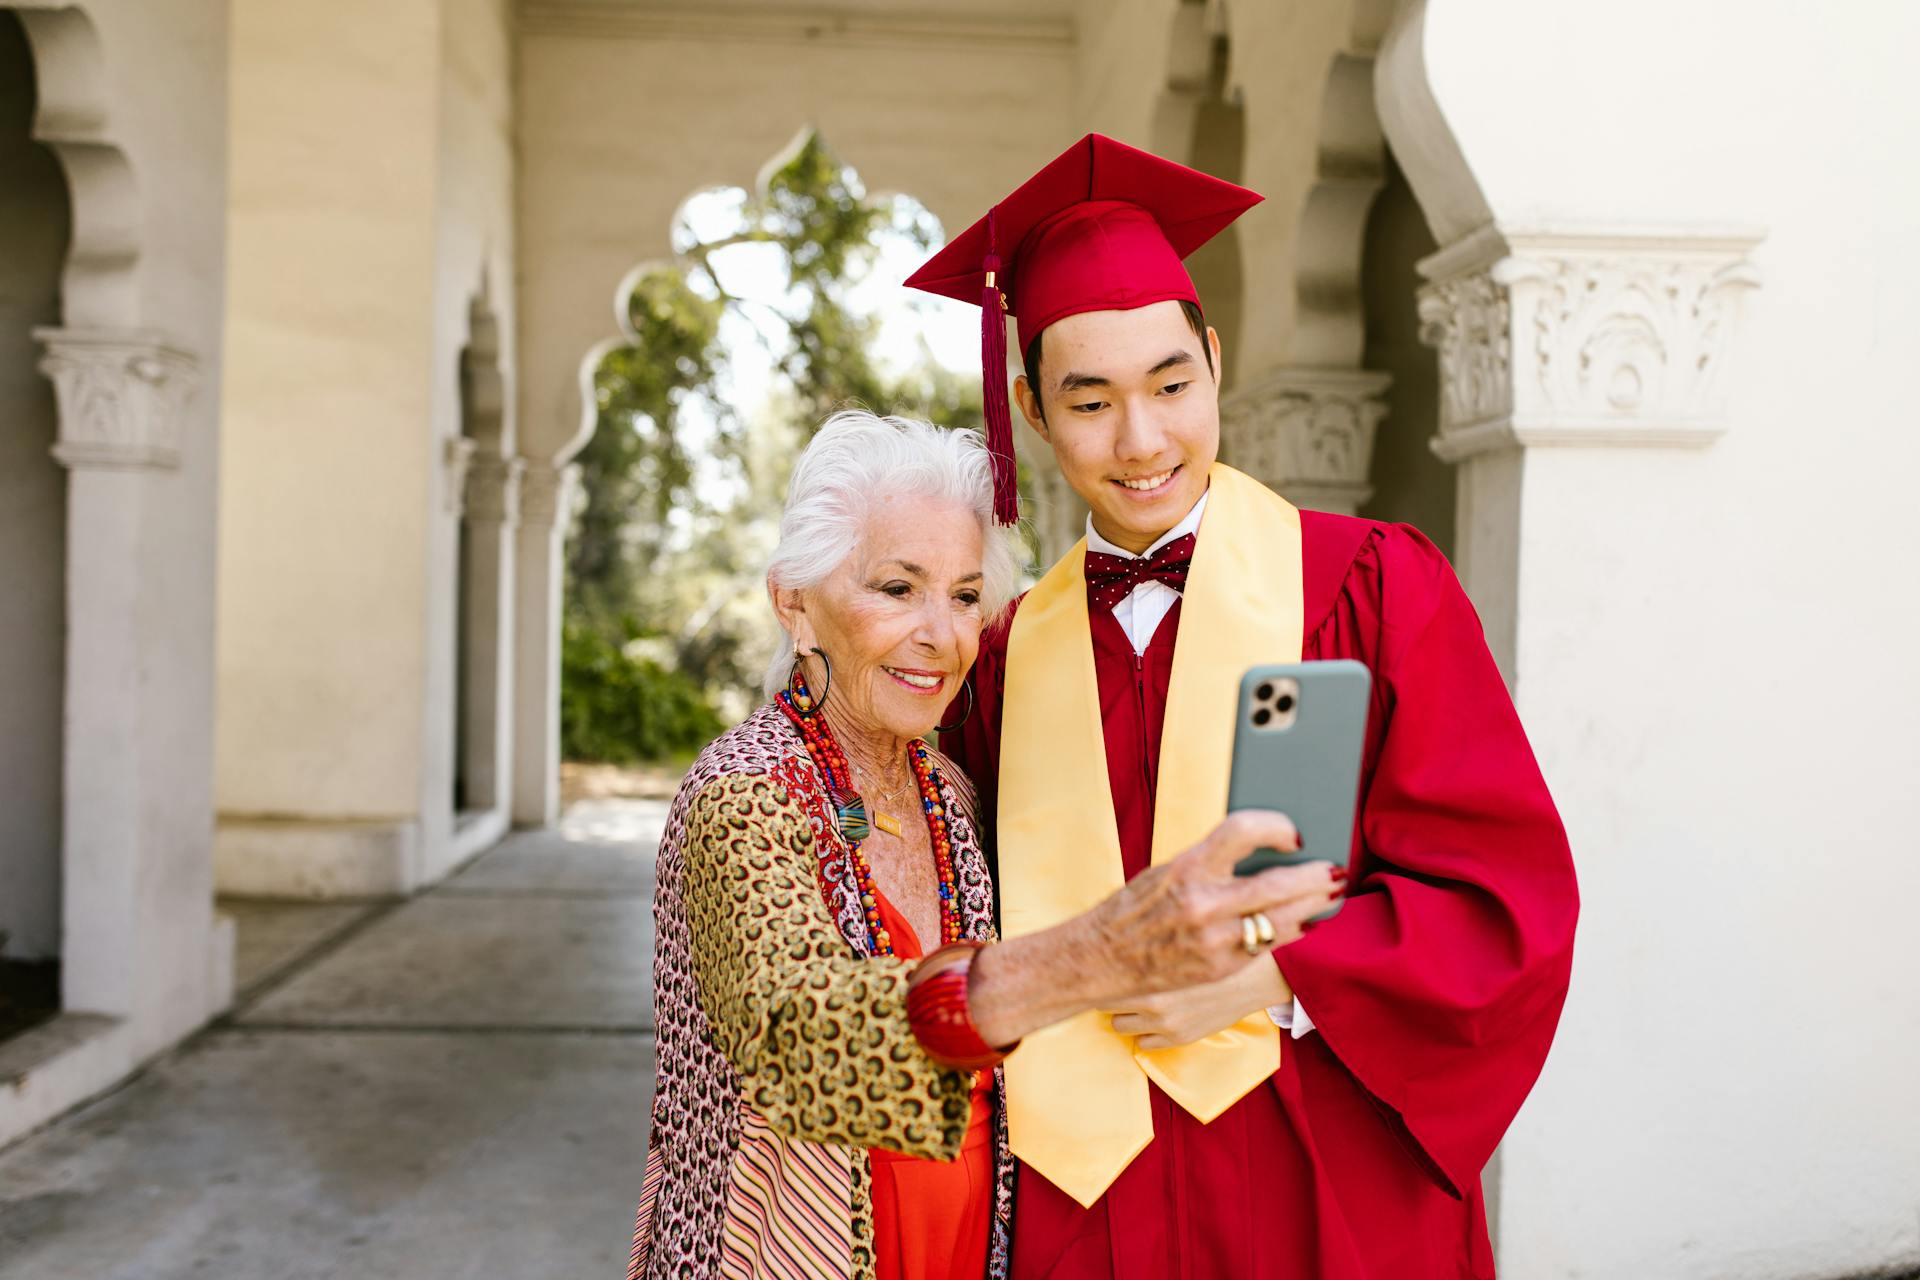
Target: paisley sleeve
column 818, row 1033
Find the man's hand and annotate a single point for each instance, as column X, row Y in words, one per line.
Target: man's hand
column 1173, row 1018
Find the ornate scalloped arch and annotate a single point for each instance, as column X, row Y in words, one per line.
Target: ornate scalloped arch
column 1423, row 142
column 589, row 366
column 485, row 398
column 586, row 371
column 1199, row 119
column 120, row 387
column 590, row 362
column 1192, row 32
column 72, row 120
column 1349, row 171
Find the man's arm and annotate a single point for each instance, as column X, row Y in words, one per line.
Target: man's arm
column 1439, row 984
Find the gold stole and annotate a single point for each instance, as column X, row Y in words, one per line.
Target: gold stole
column 1077, row 1102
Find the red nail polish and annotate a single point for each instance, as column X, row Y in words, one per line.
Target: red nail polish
column 1339, row 875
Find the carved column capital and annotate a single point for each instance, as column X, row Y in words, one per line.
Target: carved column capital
column 1307, row 433
column 457, row 457
column 1583, row 337
column 1056, row 515
column 121, row 393
column 546, row 493
column 493, row 488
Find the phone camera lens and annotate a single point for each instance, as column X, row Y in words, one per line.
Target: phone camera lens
column 1286, row 703
column 1262, row 716
column 1264, row 693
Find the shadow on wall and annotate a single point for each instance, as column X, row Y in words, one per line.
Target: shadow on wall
column 1409, row 483
column 34, row 230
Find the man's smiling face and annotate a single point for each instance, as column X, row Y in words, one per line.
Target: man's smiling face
column 1130, row 404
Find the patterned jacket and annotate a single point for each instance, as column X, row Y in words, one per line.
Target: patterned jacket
column 783, row 1046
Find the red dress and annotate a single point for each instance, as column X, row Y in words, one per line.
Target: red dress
column 931, row 1218
column 1434, row 993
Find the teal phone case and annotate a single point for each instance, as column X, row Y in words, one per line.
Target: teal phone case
column 1297, row 737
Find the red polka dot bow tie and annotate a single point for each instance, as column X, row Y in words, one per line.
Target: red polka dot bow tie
column 1111, row 578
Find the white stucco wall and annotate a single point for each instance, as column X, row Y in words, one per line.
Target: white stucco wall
column 371, row 204
column 1714, row 649
column 1409, row 483
column 135, row 94
column 326, row 508
column 474, row 254
column 167, row 65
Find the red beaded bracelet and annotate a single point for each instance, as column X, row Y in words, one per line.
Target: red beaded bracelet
column 940, row 1014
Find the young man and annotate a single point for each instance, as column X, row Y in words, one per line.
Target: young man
column 1325, row 1114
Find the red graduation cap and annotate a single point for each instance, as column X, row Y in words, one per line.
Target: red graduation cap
column 1102, row 228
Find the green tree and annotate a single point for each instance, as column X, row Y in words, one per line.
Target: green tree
column 635, row 469
column 657, row 574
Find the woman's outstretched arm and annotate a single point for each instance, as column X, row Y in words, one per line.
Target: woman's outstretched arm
column 1173, row 926
column 818, row 1033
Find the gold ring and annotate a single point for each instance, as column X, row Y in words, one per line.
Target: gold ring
column 1250, row 935
column 1265, row 926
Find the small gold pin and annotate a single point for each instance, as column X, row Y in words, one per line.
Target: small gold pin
column 887, row 823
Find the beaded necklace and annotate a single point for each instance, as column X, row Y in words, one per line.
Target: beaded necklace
column 850, row 815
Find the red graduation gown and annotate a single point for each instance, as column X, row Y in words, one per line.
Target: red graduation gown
column 1434, row 993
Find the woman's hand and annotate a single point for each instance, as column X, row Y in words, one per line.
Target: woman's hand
column 1173, row 1018
column 1173, row 926
column 1179, row 924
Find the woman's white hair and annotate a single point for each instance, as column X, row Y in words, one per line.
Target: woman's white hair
column 857, row 454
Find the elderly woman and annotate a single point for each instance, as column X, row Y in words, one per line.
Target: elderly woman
column 831, row 1002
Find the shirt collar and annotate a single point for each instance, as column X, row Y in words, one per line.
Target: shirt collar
column 1189, row 525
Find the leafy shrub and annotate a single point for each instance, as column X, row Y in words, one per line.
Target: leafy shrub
column 620, row 708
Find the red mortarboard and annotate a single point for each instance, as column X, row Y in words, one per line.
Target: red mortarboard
column 1101, row 228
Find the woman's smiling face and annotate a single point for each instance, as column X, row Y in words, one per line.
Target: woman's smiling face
column 900, row 618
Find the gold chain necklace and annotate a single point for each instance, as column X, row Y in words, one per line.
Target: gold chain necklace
column 882, row 819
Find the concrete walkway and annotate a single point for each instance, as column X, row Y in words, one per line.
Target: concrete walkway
column 451, row 1086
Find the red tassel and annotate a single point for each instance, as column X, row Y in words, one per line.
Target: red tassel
column 999, row 415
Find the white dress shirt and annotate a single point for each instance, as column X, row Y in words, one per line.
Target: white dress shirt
column 1140, row 613
column 1142, row 610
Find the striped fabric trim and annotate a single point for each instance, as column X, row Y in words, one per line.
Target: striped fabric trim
column 786, row 1215
column 698, row 1110
column 649, row 1196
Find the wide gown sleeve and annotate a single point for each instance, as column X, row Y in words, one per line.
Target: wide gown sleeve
column 1439, row 984
column 818, row 1033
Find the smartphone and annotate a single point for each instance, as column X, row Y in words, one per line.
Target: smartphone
column 1296, row 749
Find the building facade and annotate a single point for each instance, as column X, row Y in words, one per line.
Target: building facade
column 301, row 306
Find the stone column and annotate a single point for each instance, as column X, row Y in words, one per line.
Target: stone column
column 546, row 503
column 1055, row 516
column 1307, row 433
column 1553, row 339
column 492, row 513
column 121, row 393
column 456, row 458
